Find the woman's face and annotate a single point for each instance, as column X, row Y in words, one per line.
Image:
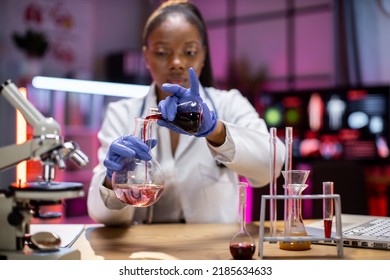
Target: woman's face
column 172, row 48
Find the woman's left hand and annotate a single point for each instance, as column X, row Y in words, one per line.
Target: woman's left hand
column 168, row 106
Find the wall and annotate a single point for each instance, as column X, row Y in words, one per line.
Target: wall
column 69, row 31
column 292, row 40
column 374, row 41
column 119, row 26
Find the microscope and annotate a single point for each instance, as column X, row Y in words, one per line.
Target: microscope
column 19, row 202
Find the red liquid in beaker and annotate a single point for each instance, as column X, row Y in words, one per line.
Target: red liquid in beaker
column 242, row 251
column 187, row 121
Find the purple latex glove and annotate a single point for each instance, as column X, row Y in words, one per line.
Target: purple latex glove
column 168, row 106
column 124, row 148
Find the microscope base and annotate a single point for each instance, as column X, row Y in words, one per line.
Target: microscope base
column 61, row 254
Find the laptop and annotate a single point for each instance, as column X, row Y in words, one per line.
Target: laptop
column 358, row 231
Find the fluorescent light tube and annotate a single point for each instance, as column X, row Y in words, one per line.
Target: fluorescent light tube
column 91, row 87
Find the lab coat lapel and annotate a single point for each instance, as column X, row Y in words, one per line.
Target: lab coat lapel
column 184, row 143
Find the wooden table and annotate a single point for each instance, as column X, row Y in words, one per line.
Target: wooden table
column 193, row 242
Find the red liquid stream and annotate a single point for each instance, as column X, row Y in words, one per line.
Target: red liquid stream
column 145, row 125
column 242, row 251
column 328, row 228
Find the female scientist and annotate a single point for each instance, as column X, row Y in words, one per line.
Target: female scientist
column 202, row 170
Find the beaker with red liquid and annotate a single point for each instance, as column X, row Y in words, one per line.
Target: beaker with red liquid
column 188, row 116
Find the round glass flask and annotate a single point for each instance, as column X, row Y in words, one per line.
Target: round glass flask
column 140, row 183
column 242, row 245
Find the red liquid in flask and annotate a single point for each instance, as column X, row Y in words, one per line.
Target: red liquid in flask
column 242, row 251
column 138, row 195
column 140, row 183
column 187, row 121
column 328, row 228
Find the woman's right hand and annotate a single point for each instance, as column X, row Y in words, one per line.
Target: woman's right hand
column 127, row 146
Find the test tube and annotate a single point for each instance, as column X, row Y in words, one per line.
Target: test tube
column 272, row 182
column 287, row 167
column 327, row 210
column 288, row 160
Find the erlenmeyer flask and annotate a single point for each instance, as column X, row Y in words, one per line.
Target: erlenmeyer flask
column 293, row 222
column 140, row 183
column 242, row 246
column 188, row 116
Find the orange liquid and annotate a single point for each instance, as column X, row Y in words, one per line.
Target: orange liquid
column 295, row 245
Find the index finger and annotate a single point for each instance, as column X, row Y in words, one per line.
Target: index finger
column 194, row 82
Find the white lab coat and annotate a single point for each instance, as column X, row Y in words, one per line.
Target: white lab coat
column 196, row 188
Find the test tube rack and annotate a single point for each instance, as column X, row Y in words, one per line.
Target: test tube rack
column 337, row 238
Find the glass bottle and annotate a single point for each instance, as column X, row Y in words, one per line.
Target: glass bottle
column 242, row 246
column 140, row 183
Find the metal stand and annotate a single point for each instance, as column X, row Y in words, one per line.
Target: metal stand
column 338, row 238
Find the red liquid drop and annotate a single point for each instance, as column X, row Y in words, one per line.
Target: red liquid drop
column 328, row 228
column 242, row 251
column 187, row 121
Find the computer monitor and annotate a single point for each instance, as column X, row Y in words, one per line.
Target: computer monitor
column 334, row 123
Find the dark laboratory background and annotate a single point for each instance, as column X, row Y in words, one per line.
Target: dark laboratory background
column 320, row 66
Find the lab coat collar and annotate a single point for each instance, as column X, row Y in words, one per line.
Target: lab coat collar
column 150, row 101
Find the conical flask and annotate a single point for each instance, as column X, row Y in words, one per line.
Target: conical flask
column 140, row 183
column 293, row 222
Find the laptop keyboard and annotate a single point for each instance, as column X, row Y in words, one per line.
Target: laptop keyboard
column 375, row 228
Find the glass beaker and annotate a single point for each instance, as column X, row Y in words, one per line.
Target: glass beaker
column 293, row 222
column 188, row 116
column 242, row 246
column 140, row 183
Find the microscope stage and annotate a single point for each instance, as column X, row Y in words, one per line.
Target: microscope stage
column 47, row 190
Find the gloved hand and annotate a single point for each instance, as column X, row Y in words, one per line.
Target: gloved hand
column 125, row 147
column 168, row 106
